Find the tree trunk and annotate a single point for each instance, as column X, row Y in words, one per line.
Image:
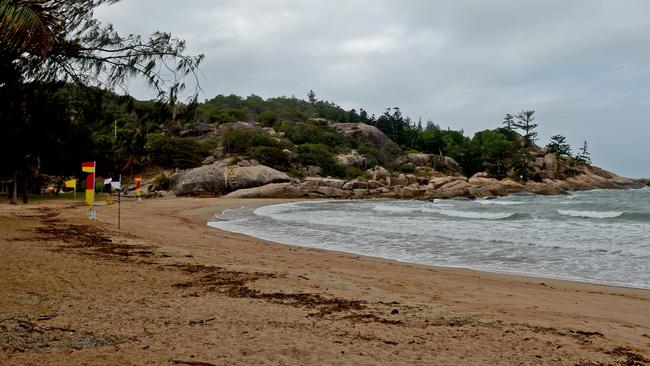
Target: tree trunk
column 25, row 192
column 14, row 190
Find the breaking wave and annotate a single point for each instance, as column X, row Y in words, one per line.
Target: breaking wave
column 591, row 214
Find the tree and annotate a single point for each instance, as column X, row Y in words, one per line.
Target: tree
column 559, row 146
column 583, row 156
column 60, row 40
column 509, row 121
column 525, row 123
column 311, row 96
column 28, row 26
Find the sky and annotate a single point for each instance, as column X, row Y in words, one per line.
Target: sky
column 582, row 65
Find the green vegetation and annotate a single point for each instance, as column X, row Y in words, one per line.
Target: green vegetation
column 57, row 110
column 123, row 134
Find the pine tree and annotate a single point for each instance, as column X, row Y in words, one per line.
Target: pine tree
column 509, row 121
column 584, row 156
column 525, row 123
column 559, row 146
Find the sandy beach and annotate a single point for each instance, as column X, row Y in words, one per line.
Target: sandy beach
column 168, row 289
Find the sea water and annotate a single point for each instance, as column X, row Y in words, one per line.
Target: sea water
column 600, row 236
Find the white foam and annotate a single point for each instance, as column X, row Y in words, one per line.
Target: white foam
column 502, row 203
column 591, row 214
column 474, row 215
column 388, row 208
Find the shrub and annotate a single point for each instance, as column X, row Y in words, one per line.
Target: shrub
column 405, row 168
column 315, row 133
column 319, row 155
column 174, row 152
column 162, row 182
column 271, row 156
column 227, row 115
column 240, row 140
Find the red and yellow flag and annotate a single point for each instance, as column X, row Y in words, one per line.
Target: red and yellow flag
column 138, row 183
column 89, row 167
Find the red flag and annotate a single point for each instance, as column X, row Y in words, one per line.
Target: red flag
column 138, row 182
column 89, row 167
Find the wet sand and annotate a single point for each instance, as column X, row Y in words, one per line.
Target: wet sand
column 168, row 289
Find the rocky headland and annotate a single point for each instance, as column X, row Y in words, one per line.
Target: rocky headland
column 236, row 178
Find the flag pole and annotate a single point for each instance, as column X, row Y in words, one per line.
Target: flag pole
column 119, row 204
column 93, row 212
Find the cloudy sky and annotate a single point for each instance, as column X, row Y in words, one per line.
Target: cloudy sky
column 583, row 65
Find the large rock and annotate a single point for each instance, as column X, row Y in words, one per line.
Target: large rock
column 623, row 182
column 355, row 184
column 379, row 173
column 544, row 188
column 220, row 178
column 419, row 159
column 209, row 160
column 353, row 159
column 314, row 182
column 273, row 190
column 451, row 164
column 438, row 182
column 370, row 133
column 400, row 180
column 550, row 163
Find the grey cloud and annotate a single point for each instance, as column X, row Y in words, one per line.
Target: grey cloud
column 583, row 65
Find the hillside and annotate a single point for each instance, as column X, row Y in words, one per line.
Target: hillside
column 232, row 142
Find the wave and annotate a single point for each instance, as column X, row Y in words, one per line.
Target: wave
column 389, row 208
column 476, row 215
column 502, row 203
column 447, row 212
column 591, row 214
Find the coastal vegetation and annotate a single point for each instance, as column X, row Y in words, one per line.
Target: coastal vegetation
column 60, row 68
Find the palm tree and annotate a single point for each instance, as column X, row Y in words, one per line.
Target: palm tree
column 28, row 28
column 29, row 25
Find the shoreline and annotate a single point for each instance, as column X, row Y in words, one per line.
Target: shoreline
column 167, row 287
column 527, row 275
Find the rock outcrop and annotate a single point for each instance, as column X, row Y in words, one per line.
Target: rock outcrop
column 222, row 177
column 353, row 159
column 419, row 159
column 370, row 133
column 246, row 178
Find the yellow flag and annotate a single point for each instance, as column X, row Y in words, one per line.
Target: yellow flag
column 90, row 197
column 71, row 183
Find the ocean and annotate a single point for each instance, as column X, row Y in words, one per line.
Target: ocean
column 600, row 236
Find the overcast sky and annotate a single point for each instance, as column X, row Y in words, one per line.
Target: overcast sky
column 584, row 66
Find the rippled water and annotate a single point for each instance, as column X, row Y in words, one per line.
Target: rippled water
column 597, row 236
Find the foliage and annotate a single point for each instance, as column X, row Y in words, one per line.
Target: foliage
column 584, row 156
column 168, row 151
column 509, row 121
column 243, row 140
column 316, row 132
column 319, row 155
column 559, row 146
column 272, row 156
column 61, row 40
column 492, row 151
column 525, row 123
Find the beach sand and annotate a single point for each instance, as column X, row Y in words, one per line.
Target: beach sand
column 168, row 289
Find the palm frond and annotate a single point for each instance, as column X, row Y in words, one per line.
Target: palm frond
column 28, row 25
